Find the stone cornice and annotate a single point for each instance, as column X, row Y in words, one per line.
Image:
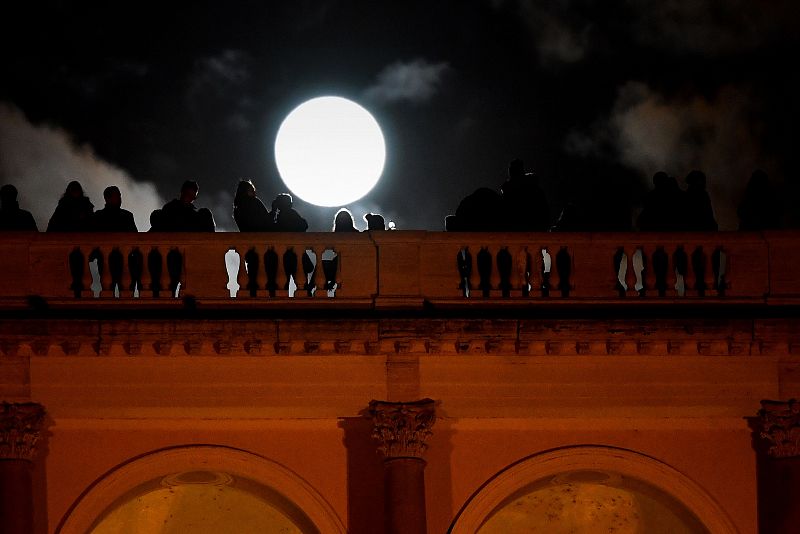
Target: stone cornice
column 402, row 428
column 20, row 428
column 780, row 427
column 359, row 336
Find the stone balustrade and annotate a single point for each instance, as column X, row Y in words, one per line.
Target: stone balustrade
column 404, row 269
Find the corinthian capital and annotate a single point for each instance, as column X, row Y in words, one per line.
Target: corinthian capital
column 402, row 427
column 780, row 426
column 20, row 426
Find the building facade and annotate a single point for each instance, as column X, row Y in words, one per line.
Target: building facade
column 403, row 382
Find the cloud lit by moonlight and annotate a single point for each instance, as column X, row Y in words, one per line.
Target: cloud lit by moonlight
column 330, row 151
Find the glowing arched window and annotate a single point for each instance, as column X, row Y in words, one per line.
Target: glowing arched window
column 200, row 502
column 591, row 501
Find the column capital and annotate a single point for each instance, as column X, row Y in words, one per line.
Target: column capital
column 402, row 427
column 20, row 428
column 779, row 425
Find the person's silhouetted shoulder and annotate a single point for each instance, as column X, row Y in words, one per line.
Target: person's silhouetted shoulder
column 524, row 204
column 12, row 218
column 698, row 210
column 249, row 212
column 343, row 221
column 181, row 215
column 73, row 212
column 112, row 218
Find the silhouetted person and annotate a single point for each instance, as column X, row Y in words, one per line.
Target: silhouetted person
column 525, row 206
column 343, row 221
column 570, row 219
column 74, row 211
column 181, row 215
column 375, row 222
column 112, row 218
column 12, row 218
column 156, row 221
column 759, row 209
column 249, row 212
column 663, row 206
column 285, row 217
column 480, row 211
column 699, row 215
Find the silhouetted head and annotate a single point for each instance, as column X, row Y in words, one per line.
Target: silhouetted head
column 696, row 180
column 156, row 217
column 244, row 189
column 74, row 190
column 8, row 195
column 282, row 202
column 112, row 196
column 343, row 221
column 374, row 222
column 661, row 180
column 189, row 191
column 516, row 169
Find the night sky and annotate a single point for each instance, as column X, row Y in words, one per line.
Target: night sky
column 595, row 96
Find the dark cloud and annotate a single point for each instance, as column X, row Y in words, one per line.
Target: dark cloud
column 711, row 27
column 649, row 131
column 415, row 81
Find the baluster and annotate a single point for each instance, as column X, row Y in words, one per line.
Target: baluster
column 639, row 264
column 464, row 261
column 699, row 268
column 174, row 269
column 484, row 261
column 547, row 267
column 232, row 264
column 309, row 270
column 564, row 269
column 621, row 270
column 504, row 262
column 271, row 267
column 76, row 270
column 719, row 263
column 251, row 265
column 660, row 268
column 96, row 270
column 135, row 269
column 681, row 262
column 290, row 270
column 155, row 267
column 330, row 267
column 115, row 267
column 524, row 270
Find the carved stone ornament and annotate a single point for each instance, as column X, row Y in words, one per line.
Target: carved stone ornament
column 20, row 426
column 780, row 426
column 402, row 427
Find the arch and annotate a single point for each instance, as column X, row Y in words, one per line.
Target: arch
column 532, row 469
column 118, row 482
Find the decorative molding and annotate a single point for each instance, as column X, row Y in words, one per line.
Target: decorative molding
column 780, row 426
column 20, row 429
column 402, row 427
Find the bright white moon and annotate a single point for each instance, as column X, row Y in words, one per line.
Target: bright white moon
column 330, row 151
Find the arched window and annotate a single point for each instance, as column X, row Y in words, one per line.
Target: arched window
column 201, row 489
column 591, row 489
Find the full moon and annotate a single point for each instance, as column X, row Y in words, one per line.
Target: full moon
column 330, row 151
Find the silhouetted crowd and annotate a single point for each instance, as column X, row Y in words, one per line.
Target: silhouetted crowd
column 75, row 213
column 520, row 206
